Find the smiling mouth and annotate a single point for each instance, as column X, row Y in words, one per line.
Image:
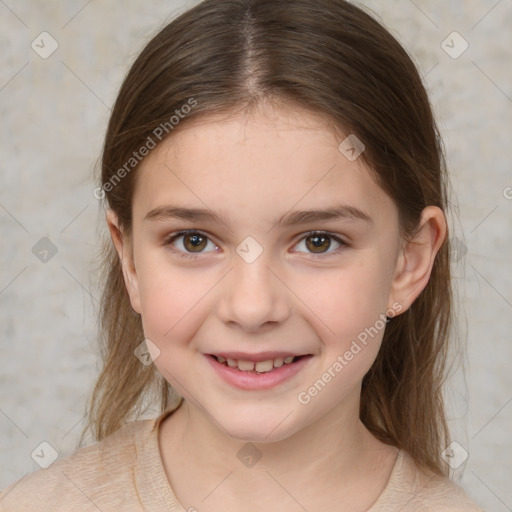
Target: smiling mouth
column 256, row 367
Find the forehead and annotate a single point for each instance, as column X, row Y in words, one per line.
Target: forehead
column 256, row 165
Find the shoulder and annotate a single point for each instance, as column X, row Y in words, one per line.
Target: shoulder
column 82, row 481
column 415, row 490
column 443, row 495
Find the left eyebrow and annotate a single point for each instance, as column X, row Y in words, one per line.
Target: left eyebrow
column 341, row 212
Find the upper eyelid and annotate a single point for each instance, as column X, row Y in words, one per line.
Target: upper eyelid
column 174, row 236
column 337, row 238
column 184, row 232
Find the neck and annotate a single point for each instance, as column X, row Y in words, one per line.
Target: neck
column 337, row 452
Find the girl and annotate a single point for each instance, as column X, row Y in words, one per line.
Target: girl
column 277, row 273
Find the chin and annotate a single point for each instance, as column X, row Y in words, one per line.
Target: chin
column 256, row 429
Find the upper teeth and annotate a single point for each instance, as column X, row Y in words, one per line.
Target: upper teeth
column 260, row 366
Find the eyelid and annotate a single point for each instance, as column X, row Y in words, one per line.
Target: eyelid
column 173, row 236
column 332, row 236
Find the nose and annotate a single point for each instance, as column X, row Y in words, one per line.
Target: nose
column 253, row 297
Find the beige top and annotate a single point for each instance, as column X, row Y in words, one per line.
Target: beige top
column 125, row 473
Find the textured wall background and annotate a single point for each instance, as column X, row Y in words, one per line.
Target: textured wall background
column 54, row 112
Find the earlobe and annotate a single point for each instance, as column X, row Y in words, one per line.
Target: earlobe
column 417, row 257
column 124, row 250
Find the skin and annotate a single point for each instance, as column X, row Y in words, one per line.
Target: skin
column 252, row 169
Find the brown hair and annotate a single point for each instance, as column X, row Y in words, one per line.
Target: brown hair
column 334, row 60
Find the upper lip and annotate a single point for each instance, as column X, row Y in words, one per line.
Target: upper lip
column 260, row 356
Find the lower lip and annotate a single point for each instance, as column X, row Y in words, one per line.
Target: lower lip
column 256, row 381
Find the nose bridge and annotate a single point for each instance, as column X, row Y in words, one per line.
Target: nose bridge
column 254, row 295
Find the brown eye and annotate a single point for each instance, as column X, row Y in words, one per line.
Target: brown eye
column 194, row 242
column 189, row 243
column 320, row 243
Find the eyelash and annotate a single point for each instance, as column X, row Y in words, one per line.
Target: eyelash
column 171, row 238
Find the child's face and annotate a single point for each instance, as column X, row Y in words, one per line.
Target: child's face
column 298, row 296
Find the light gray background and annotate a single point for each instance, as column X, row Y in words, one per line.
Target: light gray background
column 53, row 117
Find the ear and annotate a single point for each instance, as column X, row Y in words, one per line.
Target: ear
column 124, row 248
column 417, row 256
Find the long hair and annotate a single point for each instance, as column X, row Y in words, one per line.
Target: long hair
column 334, row 60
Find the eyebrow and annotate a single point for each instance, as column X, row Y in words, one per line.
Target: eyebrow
column 339, row 212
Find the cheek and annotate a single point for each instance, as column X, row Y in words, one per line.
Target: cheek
column 171, row 299
column 172, row 310
column 349, row 299
column 350, row 306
